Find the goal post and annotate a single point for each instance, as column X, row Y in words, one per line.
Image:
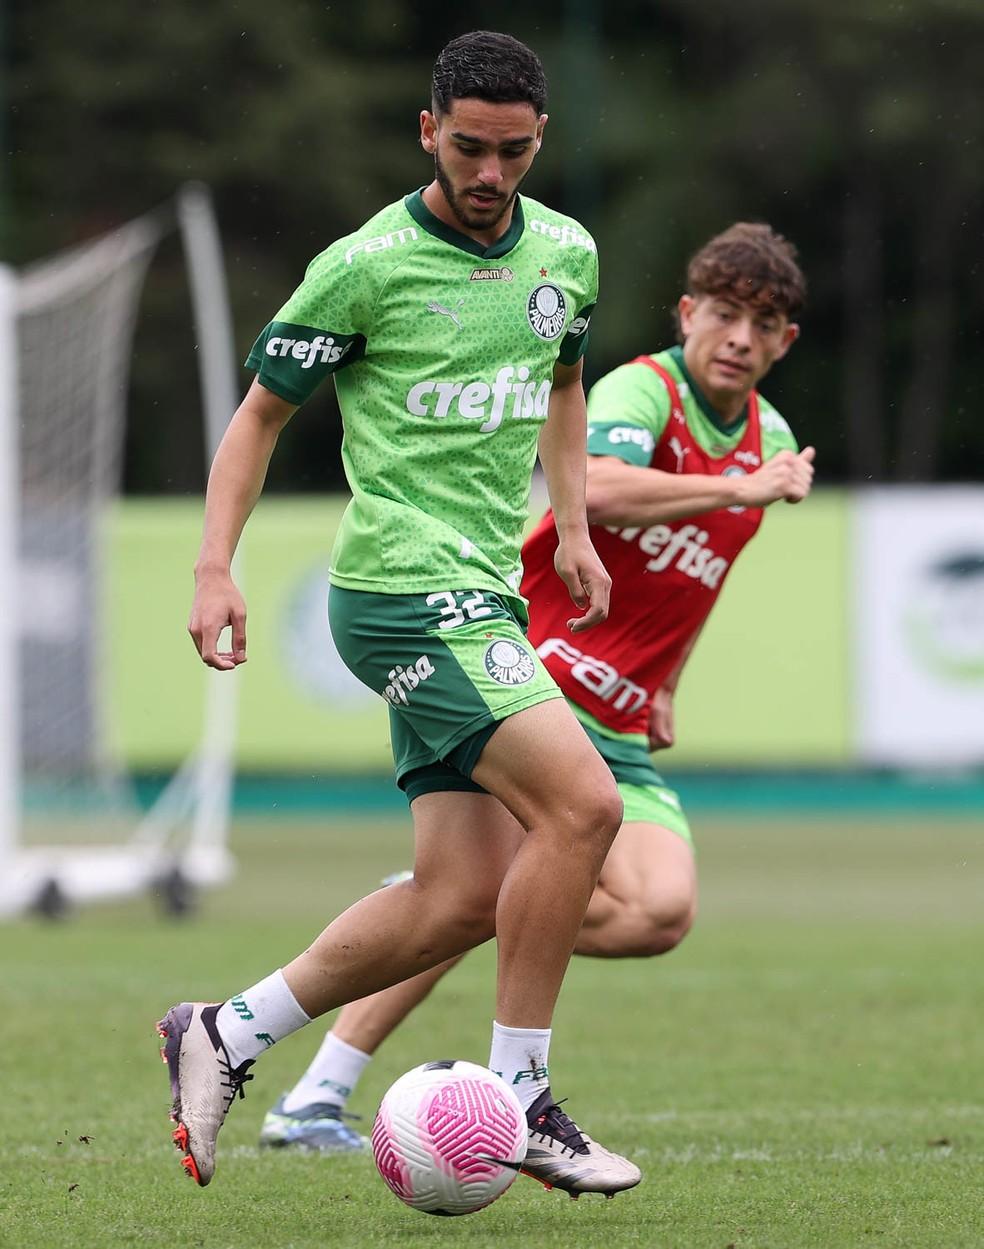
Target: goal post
column 9, row 686
column 61, row 439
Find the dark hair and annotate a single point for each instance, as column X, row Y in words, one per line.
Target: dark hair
column 486, row 65
column 750, row 262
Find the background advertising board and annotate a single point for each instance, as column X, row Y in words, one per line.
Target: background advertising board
column 918, row 625
column 766, row 685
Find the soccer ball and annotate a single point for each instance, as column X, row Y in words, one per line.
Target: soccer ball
column 449, row 1137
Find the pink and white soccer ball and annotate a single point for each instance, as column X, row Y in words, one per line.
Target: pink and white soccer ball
column 449, row 1137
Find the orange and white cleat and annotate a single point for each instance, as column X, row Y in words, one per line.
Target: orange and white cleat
column 204, row 1084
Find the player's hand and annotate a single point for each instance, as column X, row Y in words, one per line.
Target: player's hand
column 587, row 581
column 786, row 476
column 218, row 603
column 661, row 720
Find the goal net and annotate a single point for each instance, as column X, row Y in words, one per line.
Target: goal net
column 71, row 830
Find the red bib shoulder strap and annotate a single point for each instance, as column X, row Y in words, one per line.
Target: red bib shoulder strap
column 676, row 403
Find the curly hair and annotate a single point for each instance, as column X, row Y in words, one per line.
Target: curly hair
column 751, row 262
column 486, row 65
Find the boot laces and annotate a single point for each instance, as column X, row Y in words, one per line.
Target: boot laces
column 552, row 1121
column 233, row 1079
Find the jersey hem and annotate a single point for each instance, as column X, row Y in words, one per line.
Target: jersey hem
column 605, row 730
column 417, row 586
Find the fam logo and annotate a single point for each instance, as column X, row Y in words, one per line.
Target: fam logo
column 546, row 310
column 945, row 616
column 508, row 663
column 604, row 681
column 735, row 470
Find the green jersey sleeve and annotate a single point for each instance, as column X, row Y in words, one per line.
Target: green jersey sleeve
column 322, row 328
column 575, row 342
column 627, row 412
column 776, row 434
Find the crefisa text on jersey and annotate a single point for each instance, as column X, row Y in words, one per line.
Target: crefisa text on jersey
column 683, row 547
column 307, row 352
column 471, row 399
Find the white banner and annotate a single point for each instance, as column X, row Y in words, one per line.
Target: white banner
column 919, row 625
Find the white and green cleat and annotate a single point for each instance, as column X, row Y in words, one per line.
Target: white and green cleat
column 319, row 1128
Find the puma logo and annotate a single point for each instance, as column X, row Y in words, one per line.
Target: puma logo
column 679, row 450
column 451, row 313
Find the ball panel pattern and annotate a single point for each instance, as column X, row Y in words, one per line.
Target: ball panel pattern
column 437, row 1133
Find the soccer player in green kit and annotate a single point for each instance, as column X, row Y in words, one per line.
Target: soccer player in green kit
column 454, row 323
column 683, row 456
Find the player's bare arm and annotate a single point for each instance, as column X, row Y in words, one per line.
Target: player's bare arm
column 662, row 733
column 562, row 455
column 618, row 493
column 234, row 484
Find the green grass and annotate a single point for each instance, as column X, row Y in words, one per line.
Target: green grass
column 804, row 1071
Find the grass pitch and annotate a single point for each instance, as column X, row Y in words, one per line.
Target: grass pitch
column 804, row 1071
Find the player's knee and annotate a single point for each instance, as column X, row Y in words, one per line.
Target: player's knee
column 665, row 932
column 597, row 810
column 665, row 922
column 472, row 913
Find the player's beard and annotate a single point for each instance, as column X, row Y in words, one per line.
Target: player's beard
column 458, row 204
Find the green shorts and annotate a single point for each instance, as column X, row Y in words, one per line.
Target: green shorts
column 646, row 797
column 451, row 665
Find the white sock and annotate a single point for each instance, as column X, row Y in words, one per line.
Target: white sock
column 333, row 1074
column 255, row 1019
column 519, row 1055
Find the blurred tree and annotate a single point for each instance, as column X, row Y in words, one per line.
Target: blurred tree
column 854, row 128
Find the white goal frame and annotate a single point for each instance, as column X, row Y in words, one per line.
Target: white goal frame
column 184, row 836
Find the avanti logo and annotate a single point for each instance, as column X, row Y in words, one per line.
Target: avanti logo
column 471, row 400
column 503, row 274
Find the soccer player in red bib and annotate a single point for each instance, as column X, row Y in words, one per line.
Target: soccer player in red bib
column 684, row 455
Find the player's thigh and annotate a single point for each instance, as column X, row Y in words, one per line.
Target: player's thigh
column 652, row 870
column 463, row 846
column 540, row 763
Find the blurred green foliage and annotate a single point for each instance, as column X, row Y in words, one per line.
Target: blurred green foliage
column 855, row 128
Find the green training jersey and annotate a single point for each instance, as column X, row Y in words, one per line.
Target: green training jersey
column 443, row 353
column 628, row 410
